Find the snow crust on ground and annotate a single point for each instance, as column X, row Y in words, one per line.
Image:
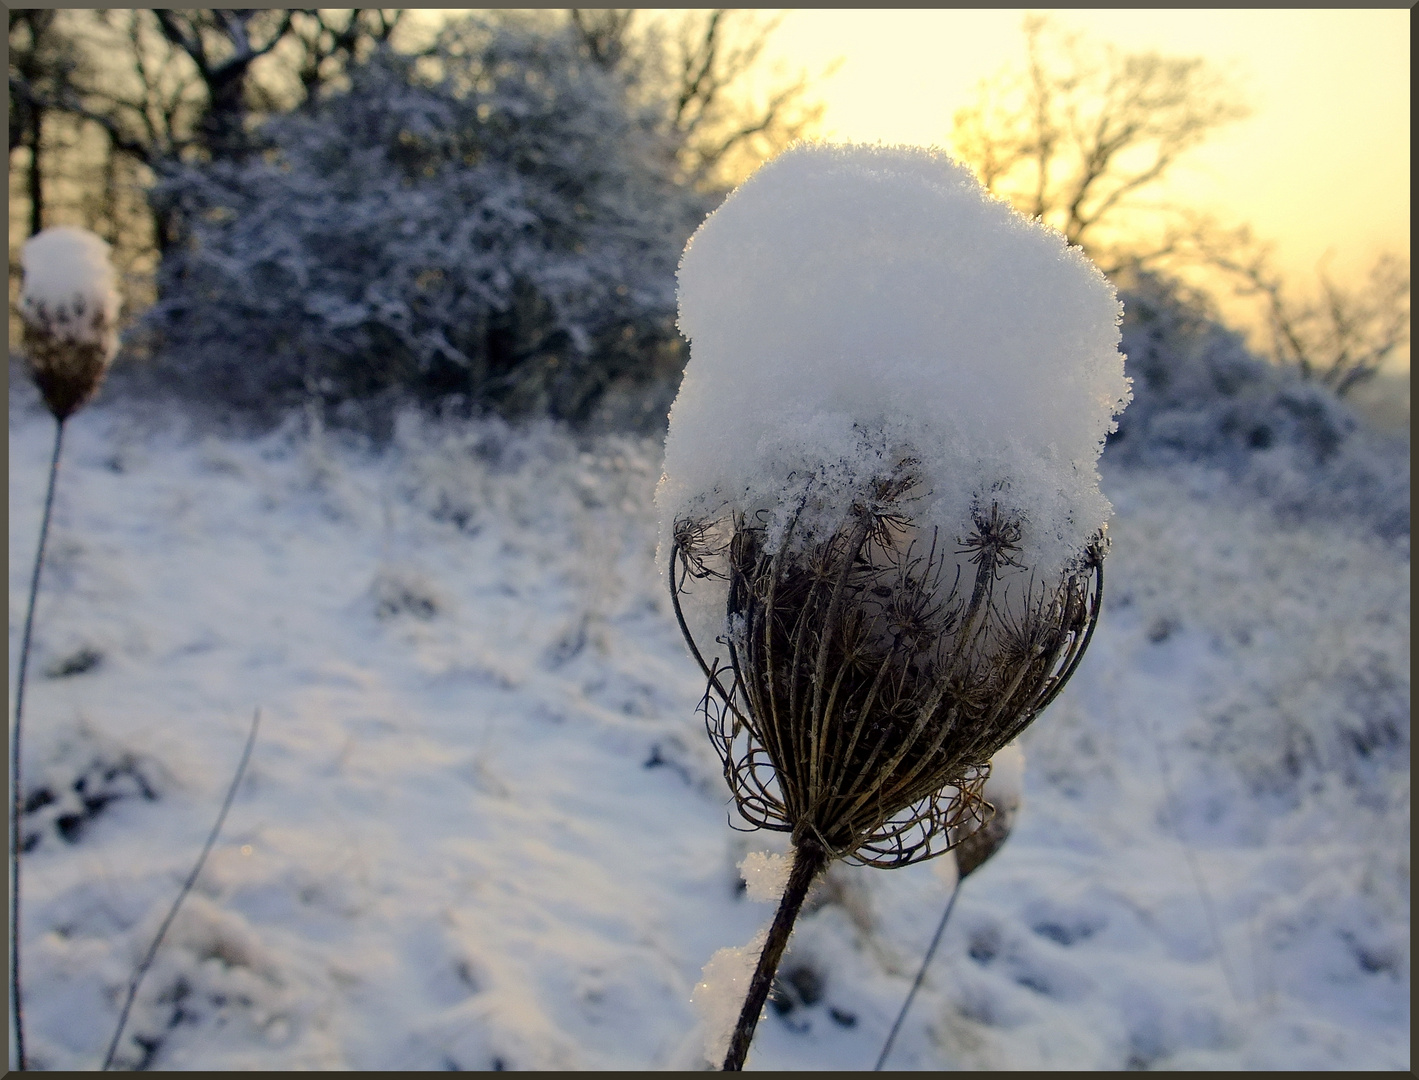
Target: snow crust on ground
column 482, row 827
column 849, row 307
column 68, row 281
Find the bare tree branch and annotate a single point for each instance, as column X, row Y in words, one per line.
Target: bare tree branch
column 1339, row 337
column 1081, row 131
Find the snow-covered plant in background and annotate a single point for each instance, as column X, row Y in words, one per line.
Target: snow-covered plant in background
column 880, row 516
column 497, row 221
column 69, row 306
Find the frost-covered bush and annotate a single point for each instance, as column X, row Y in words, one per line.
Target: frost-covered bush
column 496, row 221
column 1201, row 396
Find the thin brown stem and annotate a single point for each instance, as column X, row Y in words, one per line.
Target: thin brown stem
column 16, row 789
column 152, row 952
column 808, row 860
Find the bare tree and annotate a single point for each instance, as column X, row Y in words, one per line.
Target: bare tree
column 1076, row 136
column 177, row 83
column 700, row 64
column 39, row 62
column 1079, row 135
column 329, row 41
column 166, row 85
column 1341, row 337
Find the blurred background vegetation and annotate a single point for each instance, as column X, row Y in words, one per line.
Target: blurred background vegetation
column 342, row 211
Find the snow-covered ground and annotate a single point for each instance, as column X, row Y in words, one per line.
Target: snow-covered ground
column 482, row 827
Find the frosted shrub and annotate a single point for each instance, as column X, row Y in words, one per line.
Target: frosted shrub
column 495, row 222
column 880, row 516
column 1201, row 397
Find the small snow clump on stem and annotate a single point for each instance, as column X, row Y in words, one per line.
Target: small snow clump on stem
column 719, row 994
column 765, row 875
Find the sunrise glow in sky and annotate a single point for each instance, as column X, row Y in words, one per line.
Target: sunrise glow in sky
column 1322, row 165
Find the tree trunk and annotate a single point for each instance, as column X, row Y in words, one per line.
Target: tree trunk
column 36, row 176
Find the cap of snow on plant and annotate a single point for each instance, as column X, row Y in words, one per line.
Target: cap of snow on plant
column 880, row 510
column 69, row 306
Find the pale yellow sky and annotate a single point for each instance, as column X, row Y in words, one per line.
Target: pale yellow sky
column 1322, row 165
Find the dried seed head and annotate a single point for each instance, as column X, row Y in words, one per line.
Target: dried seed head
column 69, row 307
column 869, row 676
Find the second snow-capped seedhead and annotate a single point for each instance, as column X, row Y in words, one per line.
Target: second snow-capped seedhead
column 880, row 511
column 69, row 306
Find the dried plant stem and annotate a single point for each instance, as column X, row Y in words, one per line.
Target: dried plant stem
column 808, row 860
column 920, row 975
column 16, row 790
column 182, row 895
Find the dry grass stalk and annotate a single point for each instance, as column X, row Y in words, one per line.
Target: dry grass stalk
column 971, row 851
column 863, row 690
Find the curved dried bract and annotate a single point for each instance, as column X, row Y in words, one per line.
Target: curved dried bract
column 867, row 675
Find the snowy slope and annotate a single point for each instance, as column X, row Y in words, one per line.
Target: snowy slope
column 482, row 827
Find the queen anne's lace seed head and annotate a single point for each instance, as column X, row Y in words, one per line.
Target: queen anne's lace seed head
column 69, row 306
column 860, row 692
column 881, row 518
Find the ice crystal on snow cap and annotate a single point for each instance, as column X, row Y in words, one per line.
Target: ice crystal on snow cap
column 69, row 306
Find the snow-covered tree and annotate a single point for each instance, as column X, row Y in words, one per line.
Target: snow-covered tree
column 497, row 219
column 1200, row 396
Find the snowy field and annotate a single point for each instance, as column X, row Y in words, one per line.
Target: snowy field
column 482, row 827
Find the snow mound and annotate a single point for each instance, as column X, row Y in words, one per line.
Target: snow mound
column 852, row 307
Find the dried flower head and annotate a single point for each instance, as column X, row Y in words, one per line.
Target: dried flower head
column 867, row 675
column 69, row 307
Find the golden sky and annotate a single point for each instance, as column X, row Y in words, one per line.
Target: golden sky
column 1322, row 165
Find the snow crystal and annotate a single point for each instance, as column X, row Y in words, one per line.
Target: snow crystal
column 849, row 307
column 719, row 995
column 766, row 874
column 70, row 286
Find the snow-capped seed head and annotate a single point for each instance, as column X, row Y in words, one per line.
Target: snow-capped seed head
column 881, row 521
column 69, row 306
